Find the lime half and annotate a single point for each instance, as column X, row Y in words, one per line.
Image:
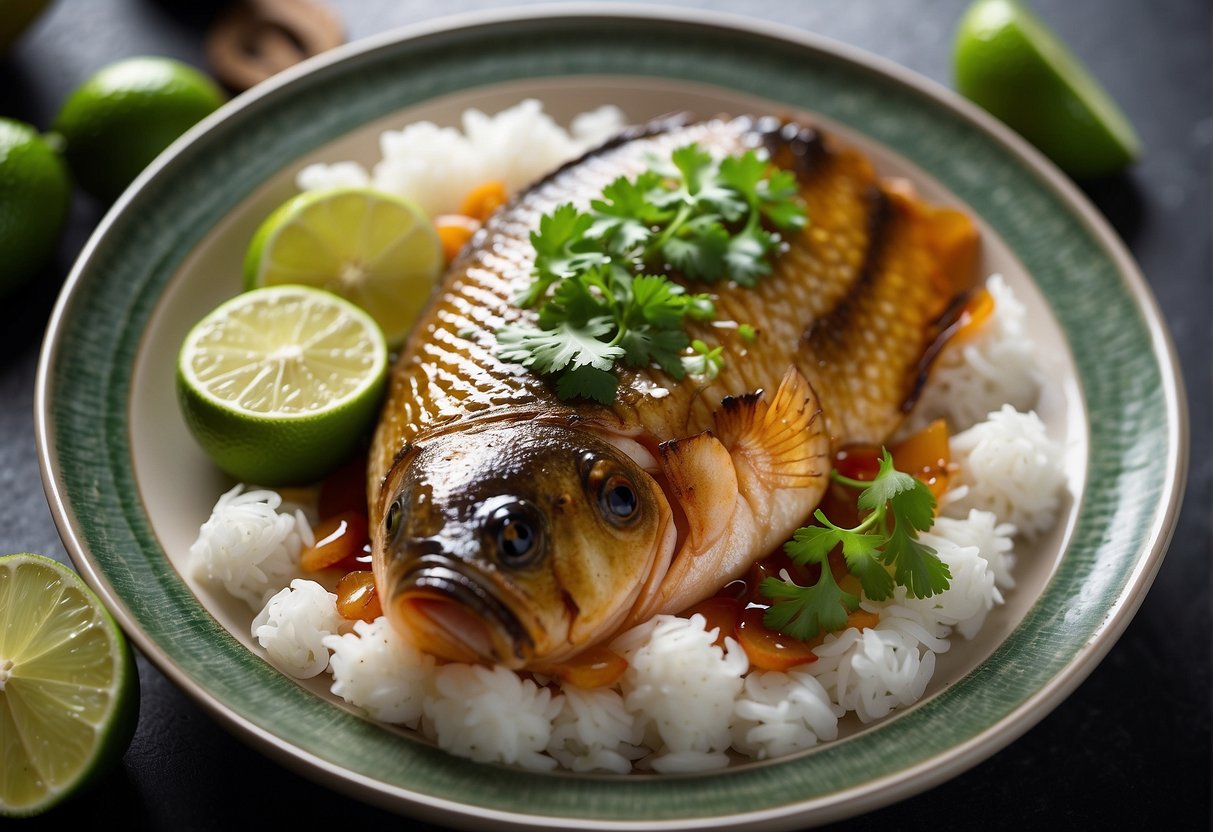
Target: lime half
column 280, row 384
column 1010, row 63
column 69, row 692
column 375, row 249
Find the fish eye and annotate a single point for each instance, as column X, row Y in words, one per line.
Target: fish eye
column 515, row 534
column 394, row 513
column 619, row 501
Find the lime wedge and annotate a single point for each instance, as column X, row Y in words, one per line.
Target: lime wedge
column 375, row 249
column 1010, row 63
column 69, row 692
column 279, row 385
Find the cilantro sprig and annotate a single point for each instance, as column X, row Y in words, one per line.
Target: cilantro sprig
column 600, row 282
column 898, row 506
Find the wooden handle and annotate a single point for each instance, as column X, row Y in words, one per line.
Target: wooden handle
column 253, row 39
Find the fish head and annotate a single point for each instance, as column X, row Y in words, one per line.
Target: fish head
column 518, row 543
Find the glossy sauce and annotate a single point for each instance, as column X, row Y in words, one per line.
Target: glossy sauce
column 736, row 611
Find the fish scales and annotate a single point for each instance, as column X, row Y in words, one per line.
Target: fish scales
column 449, row 370
column 509, row 525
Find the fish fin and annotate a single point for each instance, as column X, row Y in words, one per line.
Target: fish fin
column 784, row 442
column 702, row 479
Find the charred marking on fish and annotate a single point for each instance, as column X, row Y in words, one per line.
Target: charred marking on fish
column 945, row 326
column 835, row 325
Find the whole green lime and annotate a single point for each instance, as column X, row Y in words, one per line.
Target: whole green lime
column 120, row 119
column 34, row 193
column 1008, row 61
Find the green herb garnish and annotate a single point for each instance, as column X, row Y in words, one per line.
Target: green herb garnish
column 899, row 506
column 600, row 282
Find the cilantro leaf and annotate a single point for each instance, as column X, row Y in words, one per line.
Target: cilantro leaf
column 887, row 484
column 779, row 201
column 705, row 362
column 645, row 345
column 587, row 383
column 917, row 566
column 575, row 302
column 882, row 551
column 875, row 579
column 699, row 253
column 813, row 544
column 803, row 612
column 772, row 192
column 550, row 350
column 561, row 249
column 746, row 257
column 595, row 305
column 624, row 216
column 659, row 302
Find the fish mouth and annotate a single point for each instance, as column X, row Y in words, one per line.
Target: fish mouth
column 456, row 617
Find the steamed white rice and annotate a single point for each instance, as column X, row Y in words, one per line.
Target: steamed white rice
column 684, row 703
column 377, row 670
column 292, row 626
column 984, row 370
column 1010, row 467
column 437, row 167
column 248, row 546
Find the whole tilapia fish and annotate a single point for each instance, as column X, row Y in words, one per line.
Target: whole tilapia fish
column 510, row 526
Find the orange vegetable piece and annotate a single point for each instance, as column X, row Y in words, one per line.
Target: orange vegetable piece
column 862, row 619
column 976, row 313
column 454, row 230
column 484, row 199
column 357, row 597
column 595, row 667
column 769, row 650
column 340, row 538
column 926, row 456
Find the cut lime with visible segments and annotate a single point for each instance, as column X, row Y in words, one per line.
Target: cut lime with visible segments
column 69, row 691
column 1012, row 64
column 377, row 250
column 279, row 385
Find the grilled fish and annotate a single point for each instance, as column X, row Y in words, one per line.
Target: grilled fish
column 513, row 527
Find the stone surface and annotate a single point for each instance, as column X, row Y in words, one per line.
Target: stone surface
column 1133, row 739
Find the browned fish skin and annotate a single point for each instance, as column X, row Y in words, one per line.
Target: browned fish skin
column 853, row 303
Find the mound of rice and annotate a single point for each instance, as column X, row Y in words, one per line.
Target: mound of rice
column 248, row 546
column 594, row 731
column 781, row 713
column 978, row 373
column 292, row 626
column 683, row 689
column 1010, row 467
column 378, row 671
column 684, row 702
column 491, row 715
column 437, row 166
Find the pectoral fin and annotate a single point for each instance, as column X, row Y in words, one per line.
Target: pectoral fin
column 743, row 490
column 783, row 443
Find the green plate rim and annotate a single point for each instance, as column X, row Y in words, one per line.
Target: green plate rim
column 74, row 384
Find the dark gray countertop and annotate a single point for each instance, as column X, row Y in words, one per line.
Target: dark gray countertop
column 1130, row 748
